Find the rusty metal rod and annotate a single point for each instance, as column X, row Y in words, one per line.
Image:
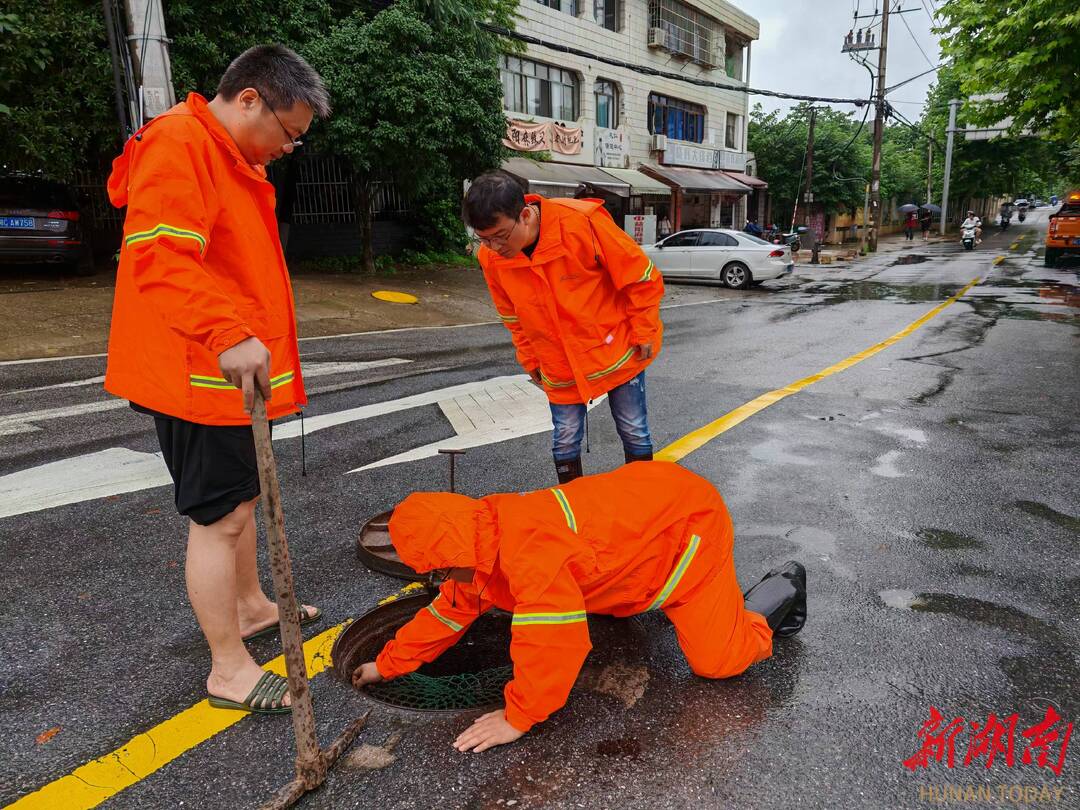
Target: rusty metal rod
column 310, row 766
column 291, row 793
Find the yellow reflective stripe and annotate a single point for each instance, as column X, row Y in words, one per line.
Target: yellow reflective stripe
column 451, row 624
column 508, row 318
column 648, row 273
column 281, row 379
column 568, row 513
column 550, row 383
column 613, row 367
column 677, row 574
column 548, row 618
column 204, row 381
column 167, row 230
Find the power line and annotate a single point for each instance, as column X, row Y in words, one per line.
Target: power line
column 913, row 78
column 916, row 41
column 663, row 74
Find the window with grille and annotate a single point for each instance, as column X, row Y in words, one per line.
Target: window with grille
column 607, row 104
column 606, row 13
column 533, row 88
column 681, row 120
column 686, row 31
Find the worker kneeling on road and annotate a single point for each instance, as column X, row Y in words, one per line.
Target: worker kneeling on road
column 647, row 536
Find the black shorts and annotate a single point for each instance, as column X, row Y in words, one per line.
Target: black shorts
column 213, row 467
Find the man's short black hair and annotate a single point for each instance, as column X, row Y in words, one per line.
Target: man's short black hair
column 489, row 196
column 280, row 75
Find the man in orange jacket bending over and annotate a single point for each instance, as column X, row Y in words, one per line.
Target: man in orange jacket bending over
column 203, row 314
column 581, row 301
column 649, row 536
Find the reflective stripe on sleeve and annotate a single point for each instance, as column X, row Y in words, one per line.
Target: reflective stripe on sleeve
column 451, row 624
column 647, row 275
column 613, row 367
column 161, row 230
column 508, row 318
column 571, row 617
column 677, row 574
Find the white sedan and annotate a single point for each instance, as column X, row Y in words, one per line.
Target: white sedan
column 733, row 258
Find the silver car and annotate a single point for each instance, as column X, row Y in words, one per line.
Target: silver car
column 733, row 258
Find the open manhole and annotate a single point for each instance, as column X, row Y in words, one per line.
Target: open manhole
column 375, row 550
column 911, row 258
column 469, row 675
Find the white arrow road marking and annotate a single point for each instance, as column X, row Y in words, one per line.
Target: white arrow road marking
column 82, row 478
column 500, row 409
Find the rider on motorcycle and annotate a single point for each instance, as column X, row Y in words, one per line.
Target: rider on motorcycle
column 973, row 221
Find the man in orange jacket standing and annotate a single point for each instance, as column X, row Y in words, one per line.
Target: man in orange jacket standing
column 203, row 315
column 651, row 536
column 581, row 301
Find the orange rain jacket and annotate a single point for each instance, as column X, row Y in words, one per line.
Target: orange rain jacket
column 201, row 269
column 578, row 308
column 647, row 536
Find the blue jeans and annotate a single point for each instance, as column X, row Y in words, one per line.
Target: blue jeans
column 627, row 408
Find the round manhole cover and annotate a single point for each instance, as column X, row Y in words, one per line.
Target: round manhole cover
column 469, row 675
column 375, row 550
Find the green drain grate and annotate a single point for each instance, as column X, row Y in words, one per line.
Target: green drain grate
column 444, row 693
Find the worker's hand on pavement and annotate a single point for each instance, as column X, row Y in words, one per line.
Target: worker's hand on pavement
column 486, row 732
column 365, row 674
column 534, row 375
column 246, row 365
column 644, row 351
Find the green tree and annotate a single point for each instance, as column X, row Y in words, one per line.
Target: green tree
column 1029, row 51
column 414, row 101
column 56, row 105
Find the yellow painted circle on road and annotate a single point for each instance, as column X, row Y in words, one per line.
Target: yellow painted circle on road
column 395, row 297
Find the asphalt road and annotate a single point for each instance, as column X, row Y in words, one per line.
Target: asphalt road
column 930, row 490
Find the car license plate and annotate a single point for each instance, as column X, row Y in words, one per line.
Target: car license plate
column 16, row 222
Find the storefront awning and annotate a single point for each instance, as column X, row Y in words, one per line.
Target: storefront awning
column 708, row 181
column 639, row 183
column 747, row 179
column 564, row 175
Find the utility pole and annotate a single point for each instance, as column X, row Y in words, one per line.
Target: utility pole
column 879, row 127
column 954, row 104
column 150, row 59
column 808, row 195
column 929, row 166
column 865, row 221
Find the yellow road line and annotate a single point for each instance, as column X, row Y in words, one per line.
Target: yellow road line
column 681, row 448
column 90, row 784
column 999, row 259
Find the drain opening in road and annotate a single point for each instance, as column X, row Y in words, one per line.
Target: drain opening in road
column 469, row 675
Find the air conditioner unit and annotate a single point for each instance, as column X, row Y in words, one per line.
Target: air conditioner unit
column 657, row 38
column 659, row 142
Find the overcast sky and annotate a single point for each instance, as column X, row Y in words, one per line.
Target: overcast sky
column 799, row 50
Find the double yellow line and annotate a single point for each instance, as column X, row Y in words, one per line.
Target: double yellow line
column 91, row 784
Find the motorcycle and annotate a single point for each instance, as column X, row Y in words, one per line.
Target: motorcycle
column 1004, row 222
column 1021, row 216
column 790, row 239
column 967, row 238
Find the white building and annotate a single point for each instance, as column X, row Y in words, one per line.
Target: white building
column 646, row 144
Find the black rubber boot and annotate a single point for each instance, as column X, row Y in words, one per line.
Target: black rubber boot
column 781, row 598
column 630, row 457
column 568, row 470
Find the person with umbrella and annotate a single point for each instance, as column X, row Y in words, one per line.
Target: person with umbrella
column 910, row 220
column 926, row 216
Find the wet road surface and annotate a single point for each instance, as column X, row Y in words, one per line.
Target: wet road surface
column 930, row 490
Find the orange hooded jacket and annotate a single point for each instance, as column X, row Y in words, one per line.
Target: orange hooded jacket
column 647, row 536
column 577, row 309
column 201, row 269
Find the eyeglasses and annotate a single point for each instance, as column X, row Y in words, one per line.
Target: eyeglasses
column 496, row 242
column 295, row 142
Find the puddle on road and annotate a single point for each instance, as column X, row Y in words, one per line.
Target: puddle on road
column 1043, row 511
column 911, row 258
column 946, row 540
